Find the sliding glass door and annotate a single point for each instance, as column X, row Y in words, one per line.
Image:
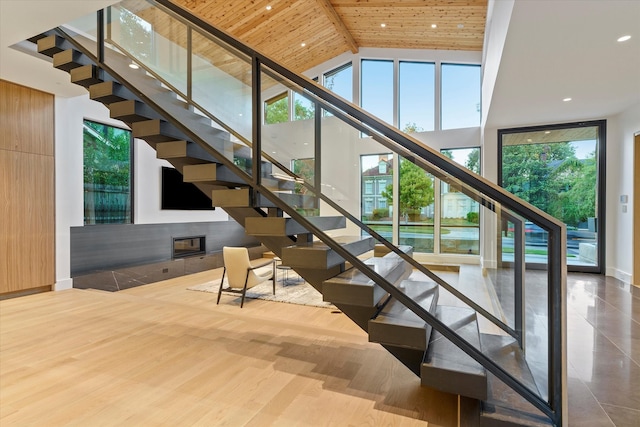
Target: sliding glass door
column 560, row 170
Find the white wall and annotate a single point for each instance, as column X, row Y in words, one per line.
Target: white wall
column 619, row 249
column 70, row 113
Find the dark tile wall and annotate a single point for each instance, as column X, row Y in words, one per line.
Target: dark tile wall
column 124, row 278
column 119, row 256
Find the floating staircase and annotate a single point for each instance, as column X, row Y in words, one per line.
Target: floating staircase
column 205, row 155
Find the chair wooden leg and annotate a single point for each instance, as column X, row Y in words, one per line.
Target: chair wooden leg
column 244, row 289
column 221, row 282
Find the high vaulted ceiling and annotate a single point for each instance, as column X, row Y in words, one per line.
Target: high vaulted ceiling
column 278, row 28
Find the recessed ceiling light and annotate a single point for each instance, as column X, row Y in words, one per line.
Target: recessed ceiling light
column 269, row 7
column 134, row 66
column 547, row 132
column 460, row 25
column 624, row 38
column 303, row 44
column 434, row 26
column 383, row 25
column 567, row 99
column 529, row 140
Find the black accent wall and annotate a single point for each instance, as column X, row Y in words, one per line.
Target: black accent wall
column 111, row 246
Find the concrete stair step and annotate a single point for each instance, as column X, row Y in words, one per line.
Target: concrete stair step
column 69, row 59
column 318, row 255
column 109, row 92
column 50, row 45
column 503, row 407
column 279, row 226
column 353, row 287
column 397, row 325
column 446, row 367
column 243, row 197
column 86, row 75
column 189, row 152
column 131, row 111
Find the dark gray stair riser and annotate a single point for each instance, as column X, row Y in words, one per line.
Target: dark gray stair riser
column 274, row 226
column 86, row 75
column 108, row 92
column 319, row 255
column 69, row 59
column 398, row 326
column 355, row 288
column 448, row 368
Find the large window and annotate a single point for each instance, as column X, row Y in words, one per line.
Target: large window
column 276, row 109
column 460, row 91
column 376, row 89
column 444, row 222
column 107, row 154
column 416, row 96
column 416, row 208
column 559, row 170
column 460, row 215
column 340, row 81
column 376, row 171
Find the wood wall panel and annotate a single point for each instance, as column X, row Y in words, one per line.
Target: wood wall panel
column 26, row 119
column 27, row 229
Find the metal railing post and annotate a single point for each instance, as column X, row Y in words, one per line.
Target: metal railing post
column 256, row 109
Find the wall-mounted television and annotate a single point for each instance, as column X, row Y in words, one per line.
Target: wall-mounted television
column 180, row 195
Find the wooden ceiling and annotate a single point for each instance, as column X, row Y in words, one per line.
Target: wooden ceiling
column 329, row 28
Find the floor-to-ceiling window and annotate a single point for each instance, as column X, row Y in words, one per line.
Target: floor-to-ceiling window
column 560, row 170
column 460, row 93
column 459, row 213
column 108, row 180
column 445, row 222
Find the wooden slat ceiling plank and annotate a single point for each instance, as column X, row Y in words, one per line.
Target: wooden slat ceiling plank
column 339, row 25
column 409, row 3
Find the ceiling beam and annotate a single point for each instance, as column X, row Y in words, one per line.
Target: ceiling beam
column 342, row 29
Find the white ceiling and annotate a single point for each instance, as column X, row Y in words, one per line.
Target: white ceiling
column 553, row 49
column 567, row 48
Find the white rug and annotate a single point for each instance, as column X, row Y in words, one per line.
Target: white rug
column 296, row 291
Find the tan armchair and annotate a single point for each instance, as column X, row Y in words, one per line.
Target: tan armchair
column 241, row 272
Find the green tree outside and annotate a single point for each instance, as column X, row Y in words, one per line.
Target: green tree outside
column 416, row 189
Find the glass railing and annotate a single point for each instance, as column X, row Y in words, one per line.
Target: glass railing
column 314, row 166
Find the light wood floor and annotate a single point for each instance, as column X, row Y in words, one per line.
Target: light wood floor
column 161, row 355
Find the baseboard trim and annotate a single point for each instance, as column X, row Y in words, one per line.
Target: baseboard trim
column 619, row 274
column 63, row 284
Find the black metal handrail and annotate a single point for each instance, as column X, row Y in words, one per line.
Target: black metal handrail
column 400, row 142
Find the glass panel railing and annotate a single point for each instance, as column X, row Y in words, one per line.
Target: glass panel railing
column 221, row 83
column 85, row 31
column 153, row 38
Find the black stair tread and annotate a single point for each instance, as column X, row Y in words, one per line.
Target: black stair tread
column 502, row 402
column 399, row 326
column 280, row 226
column 318, row 255
column 448, row 368
column 353, row 287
